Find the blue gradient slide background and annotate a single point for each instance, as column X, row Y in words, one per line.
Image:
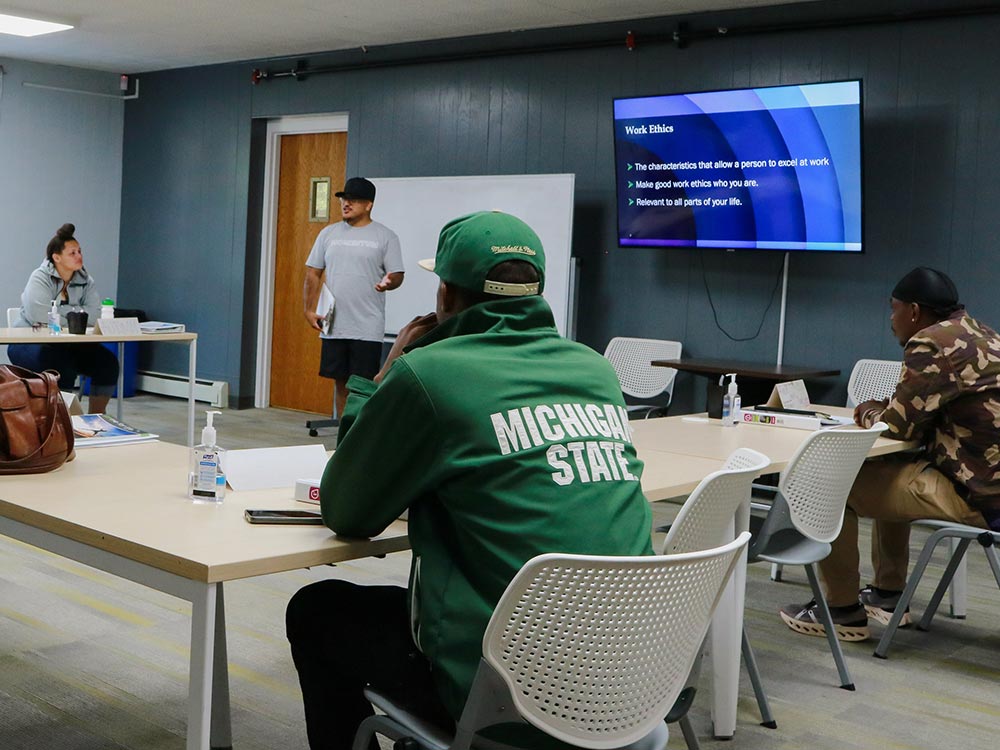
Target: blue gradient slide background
column 805, row 207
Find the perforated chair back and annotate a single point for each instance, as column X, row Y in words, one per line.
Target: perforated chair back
column 872, row 379
column 707, row 514
column 818, row 478
column 631, row 357
column 594, row 650
column 13, row 313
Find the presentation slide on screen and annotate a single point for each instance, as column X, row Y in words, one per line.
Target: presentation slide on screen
column 772, row 168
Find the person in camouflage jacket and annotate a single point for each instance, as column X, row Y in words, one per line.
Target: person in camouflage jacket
column 948, row 400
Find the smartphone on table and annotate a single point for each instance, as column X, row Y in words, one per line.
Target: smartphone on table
column 310, row 517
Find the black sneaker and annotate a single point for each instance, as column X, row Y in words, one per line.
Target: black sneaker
column 881, row 603
column 849, row 623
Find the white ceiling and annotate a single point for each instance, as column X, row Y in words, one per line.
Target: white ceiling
column 134, row 36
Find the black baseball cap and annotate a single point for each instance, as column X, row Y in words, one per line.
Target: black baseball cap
column 358, row 187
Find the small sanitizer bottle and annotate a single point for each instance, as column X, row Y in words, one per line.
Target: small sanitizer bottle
column 730, row 403
column 206, row 480
column 55, row 327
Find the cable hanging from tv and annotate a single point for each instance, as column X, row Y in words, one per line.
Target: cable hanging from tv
column 715, row 313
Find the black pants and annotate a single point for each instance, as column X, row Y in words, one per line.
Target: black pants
column 345, row 637
column 69, row 360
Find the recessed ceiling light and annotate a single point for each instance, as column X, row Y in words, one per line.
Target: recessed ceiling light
column 19, row 26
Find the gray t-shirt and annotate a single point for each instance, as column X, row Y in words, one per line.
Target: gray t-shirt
column 355, row 260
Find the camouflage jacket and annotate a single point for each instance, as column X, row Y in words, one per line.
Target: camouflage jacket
column 948, row 398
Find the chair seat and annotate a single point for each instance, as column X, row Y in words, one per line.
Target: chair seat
column 787, row 547
column 960, row 529
column 435, row 737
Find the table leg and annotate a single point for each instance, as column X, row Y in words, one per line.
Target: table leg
column 222, row 730
column 121, row 378
column 200, row 682
column 726, row 640
column 192, row 354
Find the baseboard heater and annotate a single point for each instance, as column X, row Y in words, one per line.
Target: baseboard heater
column 215, row 392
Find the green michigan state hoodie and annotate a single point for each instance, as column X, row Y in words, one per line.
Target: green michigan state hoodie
column 505, row 441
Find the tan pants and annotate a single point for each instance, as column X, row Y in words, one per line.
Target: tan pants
column 893, row 491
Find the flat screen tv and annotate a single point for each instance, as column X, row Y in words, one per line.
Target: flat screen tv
column 776, row 168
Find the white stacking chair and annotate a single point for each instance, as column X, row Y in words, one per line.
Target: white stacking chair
column 808, row 513
column 706, row 520
column 631, row 359
column 12, row 315
column 872, row 379
column 961, row 536
column 590, row 650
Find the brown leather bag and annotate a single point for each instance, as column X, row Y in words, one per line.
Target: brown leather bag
column 36, row 432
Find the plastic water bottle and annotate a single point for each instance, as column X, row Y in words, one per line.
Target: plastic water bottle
column 108, row 308
column 55, row 327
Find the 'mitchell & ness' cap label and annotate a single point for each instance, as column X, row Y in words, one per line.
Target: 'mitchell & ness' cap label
column 523, row 249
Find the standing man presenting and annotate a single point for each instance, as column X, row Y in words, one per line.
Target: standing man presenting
column 362, row 261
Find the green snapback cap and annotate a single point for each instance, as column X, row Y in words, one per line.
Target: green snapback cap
column 470, row 246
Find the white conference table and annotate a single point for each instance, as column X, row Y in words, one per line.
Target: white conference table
column 124, row 509
column 42, row 336
column 138, row 523
column 678, row 452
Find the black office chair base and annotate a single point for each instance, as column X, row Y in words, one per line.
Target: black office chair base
column 313, row 425
column 769, row 724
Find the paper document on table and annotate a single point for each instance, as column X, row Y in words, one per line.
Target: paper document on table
column 272, row 468
column 72, row 402
column 158, row 326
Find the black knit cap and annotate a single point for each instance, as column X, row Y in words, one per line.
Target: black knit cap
column 929, row 288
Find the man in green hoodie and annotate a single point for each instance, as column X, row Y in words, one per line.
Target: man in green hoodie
column 504, row 441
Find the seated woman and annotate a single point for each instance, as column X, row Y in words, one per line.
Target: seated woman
column 63, row 278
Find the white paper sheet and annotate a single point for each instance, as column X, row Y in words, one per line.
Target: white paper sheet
column 271, row 468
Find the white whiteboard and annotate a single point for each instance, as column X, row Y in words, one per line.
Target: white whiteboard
column 416, row 208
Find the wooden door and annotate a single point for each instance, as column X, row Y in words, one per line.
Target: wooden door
column 295, row 348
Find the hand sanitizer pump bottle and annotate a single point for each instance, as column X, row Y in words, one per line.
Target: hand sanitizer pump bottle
column 731, row 403
column 206, row 480
column 55, row 326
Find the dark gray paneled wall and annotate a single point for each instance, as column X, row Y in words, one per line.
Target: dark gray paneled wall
column 931, row 151
column 184, row 212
